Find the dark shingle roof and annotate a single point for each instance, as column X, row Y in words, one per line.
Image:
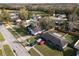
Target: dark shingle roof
column 54, row 39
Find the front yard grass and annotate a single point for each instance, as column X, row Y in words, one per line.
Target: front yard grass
column 13, row 32
column 1, row 52
column 8, row 50
column 45, row 50
column 32, row 39
column 22, row 31
column 33, row 52
column 1, row 37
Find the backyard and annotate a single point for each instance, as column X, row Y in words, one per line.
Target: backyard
column 72, row 39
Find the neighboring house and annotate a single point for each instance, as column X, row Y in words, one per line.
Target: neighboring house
column 27, row 23
column 59, row 18
column 74, row 26
column 77, row 54
column 34, row 30
column 18, row 20
column 14, row 15
column 54, row 40
column 36, row 17
column 76, row 45
column 33, row 26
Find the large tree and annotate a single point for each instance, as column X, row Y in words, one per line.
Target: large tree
column 23, row 13
column 65, row 25
column 5, row 15
column 47, row 23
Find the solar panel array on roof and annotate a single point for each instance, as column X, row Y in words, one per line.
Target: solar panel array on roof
column 54, row 39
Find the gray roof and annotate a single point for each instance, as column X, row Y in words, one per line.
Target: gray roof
column 54, row 39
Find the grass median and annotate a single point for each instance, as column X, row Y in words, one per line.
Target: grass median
column 8, row 50
column 1, row 52
column 1, row 37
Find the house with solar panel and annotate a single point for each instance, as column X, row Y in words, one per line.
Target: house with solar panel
column 55, row 41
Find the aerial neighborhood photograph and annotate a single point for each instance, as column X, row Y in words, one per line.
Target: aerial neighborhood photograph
column 39, row 29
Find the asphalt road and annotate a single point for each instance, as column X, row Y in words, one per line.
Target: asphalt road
column 19, row 49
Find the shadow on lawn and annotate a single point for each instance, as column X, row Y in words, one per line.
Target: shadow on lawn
column 70, row 52
column 51, row 46
column 75, row 38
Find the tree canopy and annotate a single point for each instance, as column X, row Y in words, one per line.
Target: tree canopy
column 23, row 13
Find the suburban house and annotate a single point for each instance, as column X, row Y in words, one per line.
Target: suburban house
column 33, row 25
column 27, row 23
column 74, row 26
column 58, row 18
column 77, row 54
column 34, row 30
column 18, row 21
column 14, row 15
column 54, row 40
column 76, row 45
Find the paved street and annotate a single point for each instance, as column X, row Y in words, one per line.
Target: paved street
column 19, row 49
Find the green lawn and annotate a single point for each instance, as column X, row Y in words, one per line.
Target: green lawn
column 1, row 52
column 1, row 37
column 22, row 31
column 8, row 50
column 14, row 34
column 32, row 39
column 33, row 52
column 69, row 51
column 71, row 39
column 49, row 50
column 45, row 50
